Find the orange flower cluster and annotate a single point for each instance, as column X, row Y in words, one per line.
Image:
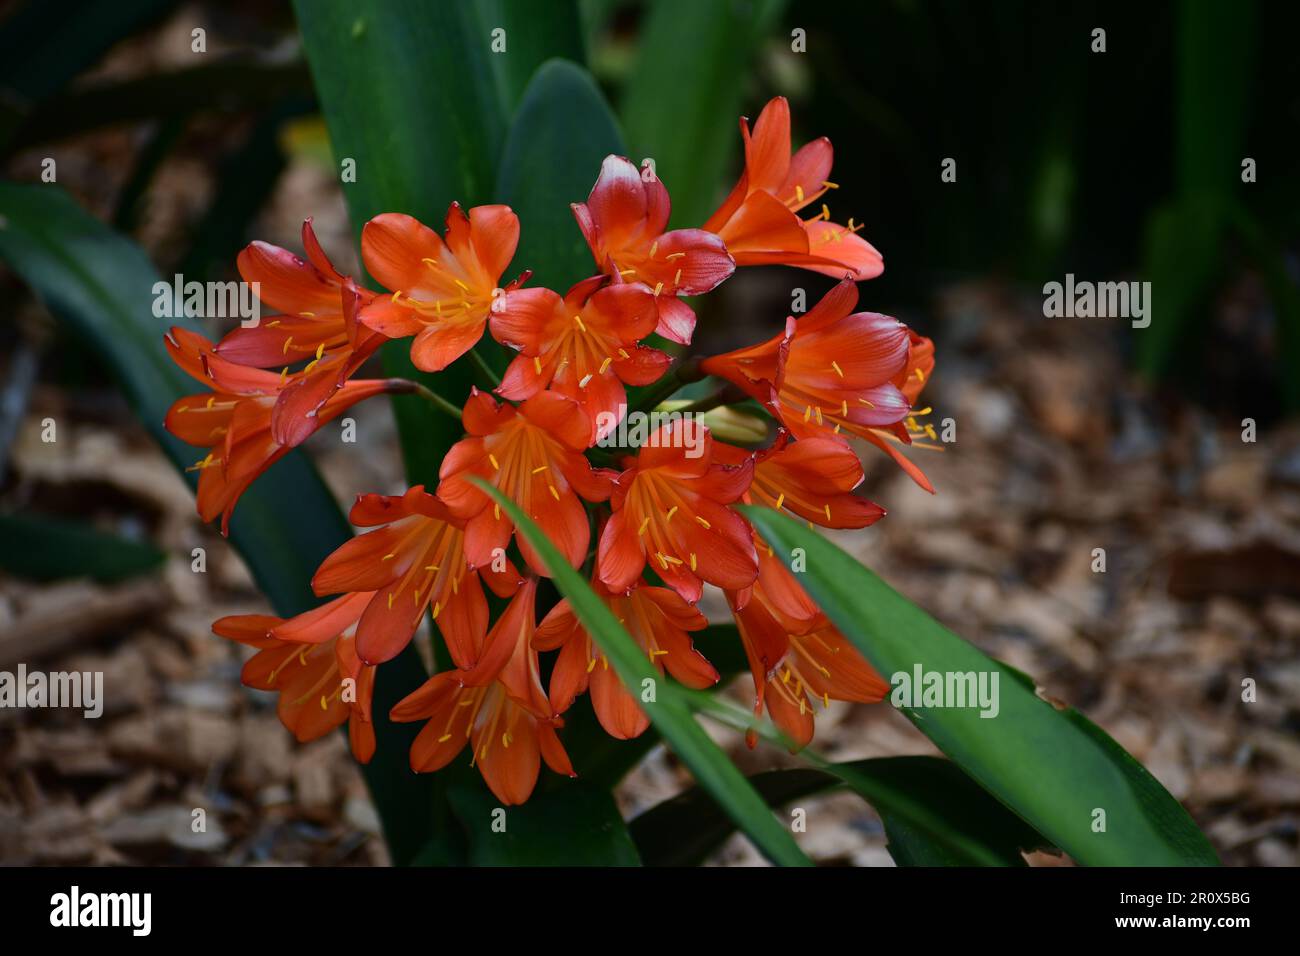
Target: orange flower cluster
column 664, row 522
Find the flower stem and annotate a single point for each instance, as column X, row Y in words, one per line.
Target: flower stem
column 484, row 367
column 403, row 385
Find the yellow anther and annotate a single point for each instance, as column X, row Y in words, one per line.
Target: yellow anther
column 320, row 350
column 838, row 371
column 675, row 255
column 582, row 382
column 389, row 556
column 659, row 287
column 287, row 343
column 798, row 192
column 537, row 364
column 827, row 509
column 461, row 284
column 672, row 511
column 704, row 524
column 693, row 562
column 554, row 494
column 622, row 353
column 605, row 364
column 539, row 469
column 446, row 737
column 830, row 185
column 654, row 247
column 644, row 524
column 577, row 320
column 780, row 500
column 493, row 458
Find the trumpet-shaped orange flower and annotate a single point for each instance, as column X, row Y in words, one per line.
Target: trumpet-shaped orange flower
column 624, row 222
column 317, row 323
column 311, row 662
column 759, row 220
column 534, row 455
column 796, row 656
column 831, row 372
column 583, row 345
column 671, row 508
column 658, row 620
column 813, row 478
column 235, row 421
column 442, row 292
column 413, row 560
column 499, row 706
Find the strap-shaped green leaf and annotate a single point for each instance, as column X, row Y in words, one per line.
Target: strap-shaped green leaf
column 684, row 97
column 670, row 714
column 1055, row 768
column 101, row 285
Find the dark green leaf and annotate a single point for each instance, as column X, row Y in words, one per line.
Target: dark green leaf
column 409, row 97
column 1055, row 769
column 684, row 97
column 101, row 284
column 45, row 548
column 561, row 133
column 574, row 825
column 534, row 33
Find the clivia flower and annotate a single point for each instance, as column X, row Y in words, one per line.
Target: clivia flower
column 813, row 478
column 534, row 455
column 498, row 706
column 235, row 421
column 657, row 619
column 759, row 220
column 624, row 222
column 442, row 292
column 671, row 507
column 413, row 560
column 833, row 371
column 311, row 662
column 583, row 345
column 317, row 323
column 796, row 656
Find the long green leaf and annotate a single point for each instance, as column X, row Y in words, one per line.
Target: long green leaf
column 1054, row 768
column 561, row 133
column 669, row 713
column 685, row 94
column 101, row 285
column 46, row 548
column 542, row 832
column 532, row 33
column 409, row 97
column 683, row 831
